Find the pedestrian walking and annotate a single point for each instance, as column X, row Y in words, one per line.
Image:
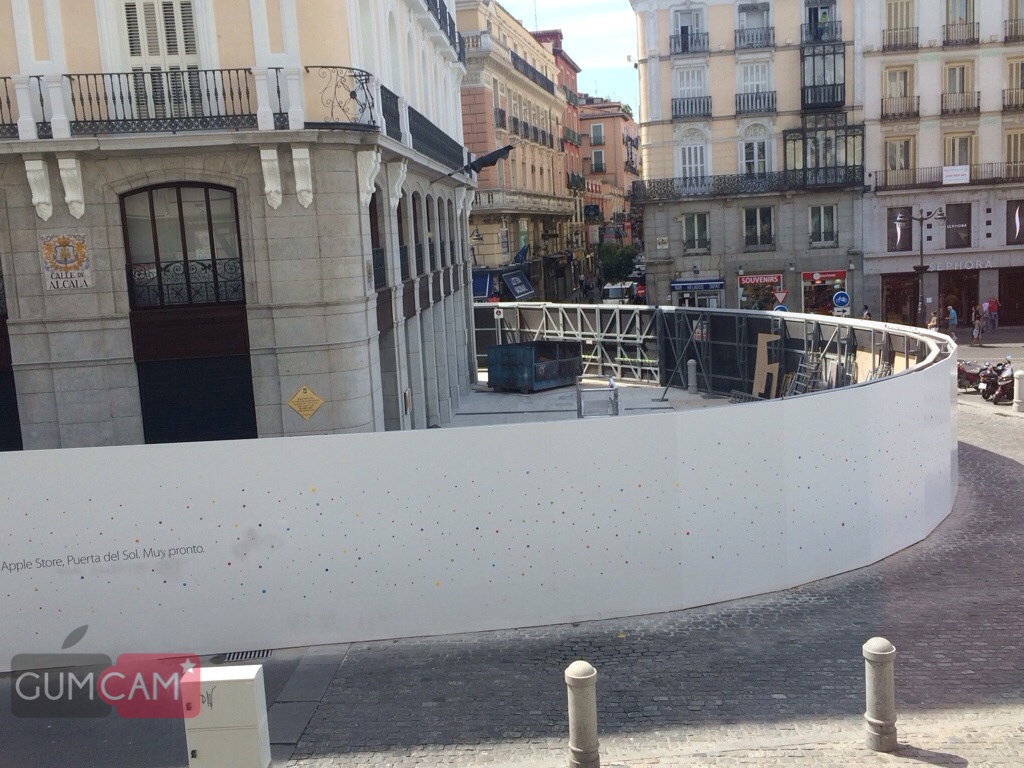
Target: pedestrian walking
column 976, row 327
column 866, row 314
column 951, row 320
column 993, row 310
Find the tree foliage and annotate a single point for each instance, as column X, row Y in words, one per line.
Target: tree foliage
column 616, row 261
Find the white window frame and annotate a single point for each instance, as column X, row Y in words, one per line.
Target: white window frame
column 113, row 44
column 596, row 159
column 818, row 238
column 754, row 76
column 693, row 225
column 693, row 88
column 759, row 245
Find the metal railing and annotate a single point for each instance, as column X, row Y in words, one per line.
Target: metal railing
column 981, row 173
column 960, row 103
column 730, row 185
column 755, row 37
column 1013, row 99
column 904, row 39
column 500, row 118
column 821, row 32
column 8, row 120
column 161, row 100
column 697, row 244
column 431, row 141
column 380, row 268
column 1013, row 30
column 574, row 181
column 691, row 107
column 899, row 107
column 346, row 98
column 954, row 35
column 597, row 167
column 750, row 103
column 392, row 115
column 533, row 75
column 694, row 42
column 196, row 281
column 823, row 96
column 573, row 137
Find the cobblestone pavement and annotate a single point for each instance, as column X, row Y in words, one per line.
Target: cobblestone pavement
column 769, row 681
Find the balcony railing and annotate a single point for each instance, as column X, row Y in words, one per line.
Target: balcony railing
column 755, row 37
column 749, row 103
column 431, row 141
column 439, row 11
column 821, row 32
column 389, row 108
column 691, row 107
column 519, row 202
column 954, row 35
column 572, row 98
column 596, row 141
column 1013, row 30
column 8, row 120
column 500, row 119
column 571, row 136
column 344, row 95
column 763, row 242
column 899, row 39
column 823, row 96
column 629, row 167
column 195, row 281
column 574, row 181
column 380, row 269
column 514, row 125
column 533, row 75
column 694, row 42
column 982, row 173
column 900, row 107
column 697, row 244
column 961, row 103
column 746, row 184
column 597, row 168
column 162, row 101
column 1013, row 99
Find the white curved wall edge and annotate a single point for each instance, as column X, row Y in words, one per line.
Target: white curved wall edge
column 358, row 537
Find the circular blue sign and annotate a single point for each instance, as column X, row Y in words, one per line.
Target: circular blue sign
column 781, row 308
column 840, row 299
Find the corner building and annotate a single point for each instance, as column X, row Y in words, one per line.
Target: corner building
column 230, row 219
column 751, row 139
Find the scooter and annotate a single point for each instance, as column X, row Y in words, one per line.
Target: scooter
column 990, row 379
column 1004, row 386
column 969, row 374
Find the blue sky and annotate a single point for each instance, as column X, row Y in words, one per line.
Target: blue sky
column 597, row 34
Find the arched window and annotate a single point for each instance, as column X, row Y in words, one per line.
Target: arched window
column 182, row 245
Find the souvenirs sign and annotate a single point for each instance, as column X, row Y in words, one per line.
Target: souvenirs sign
column 65, row 262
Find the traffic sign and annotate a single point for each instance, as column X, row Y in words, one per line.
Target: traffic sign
column 781, row 308
column 780, row 296
column 498, row 313
column 841, row 311
column 840, row 299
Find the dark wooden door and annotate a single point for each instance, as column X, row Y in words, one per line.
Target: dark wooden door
column 10, row 422
column 1011, row 296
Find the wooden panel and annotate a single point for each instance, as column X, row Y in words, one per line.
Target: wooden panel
column 385, row 310
column 424, row 292
column 409, row 300
column 188, row 332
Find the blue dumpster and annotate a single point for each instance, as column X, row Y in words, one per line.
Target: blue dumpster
column 534, row 365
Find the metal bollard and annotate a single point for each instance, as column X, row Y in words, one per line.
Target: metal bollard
column 691, row 376
column 880, row 693
column 1018, row 391
column 581, row 680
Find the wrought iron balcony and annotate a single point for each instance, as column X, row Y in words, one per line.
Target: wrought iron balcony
column 533, row 75
column 380, row 269
column 751, row 103
column 574, row 181
column 345, row 96
column 1013, row 30
column 597, row 167
column 694, row 42
column 823, row 96
column 514, row 125
column 734, row 185
column 755, row 37
column 978, row 174
column 596, row 141
column 630, row 167
column 500, row 119
column 956, row 35
column 961, row 103
column 901, row 107
column 196, row 281
column 904, row 39
column 821, row 32
column 162, row 101
column 691, row 108
column 1013, row 99
column 446, row 23
column 572, row 98
column 389, row 108
column 571, row 136
column 762, row 242
column 431, row 141
column 8, row 119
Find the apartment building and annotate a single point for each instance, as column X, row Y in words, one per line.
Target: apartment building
column 230, row 219
column 752, row 142
column 611, row 142
column 944, row 121
column 521, row 206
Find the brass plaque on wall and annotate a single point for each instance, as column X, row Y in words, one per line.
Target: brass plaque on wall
column 305, row 402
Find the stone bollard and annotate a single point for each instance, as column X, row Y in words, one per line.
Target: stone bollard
column 880, row 693
column 1018, row 391
column 581, row 680
column 691, row 376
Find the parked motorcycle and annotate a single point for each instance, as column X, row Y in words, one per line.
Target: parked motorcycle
column 1004, row 387
column 989, row 382
column 969, row 373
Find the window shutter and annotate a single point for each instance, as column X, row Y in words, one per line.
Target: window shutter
column 152, row 30
column 131, row 19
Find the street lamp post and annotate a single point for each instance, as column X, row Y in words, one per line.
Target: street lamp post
column 901, row 218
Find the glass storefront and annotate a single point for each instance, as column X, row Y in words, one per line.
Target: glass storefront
column 819, row 288
column 760, row 291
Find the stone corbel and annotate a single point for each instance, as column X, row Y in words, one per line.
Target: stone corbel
column 71, row 178
column 271, row 177
column 369, row 166
column 396, row 176
column 38, row 175
column 303, row 175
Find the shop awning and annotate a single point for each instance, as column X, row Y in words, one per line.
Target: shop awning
column 697, row 285
column 481, row 286
column 517, row 283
